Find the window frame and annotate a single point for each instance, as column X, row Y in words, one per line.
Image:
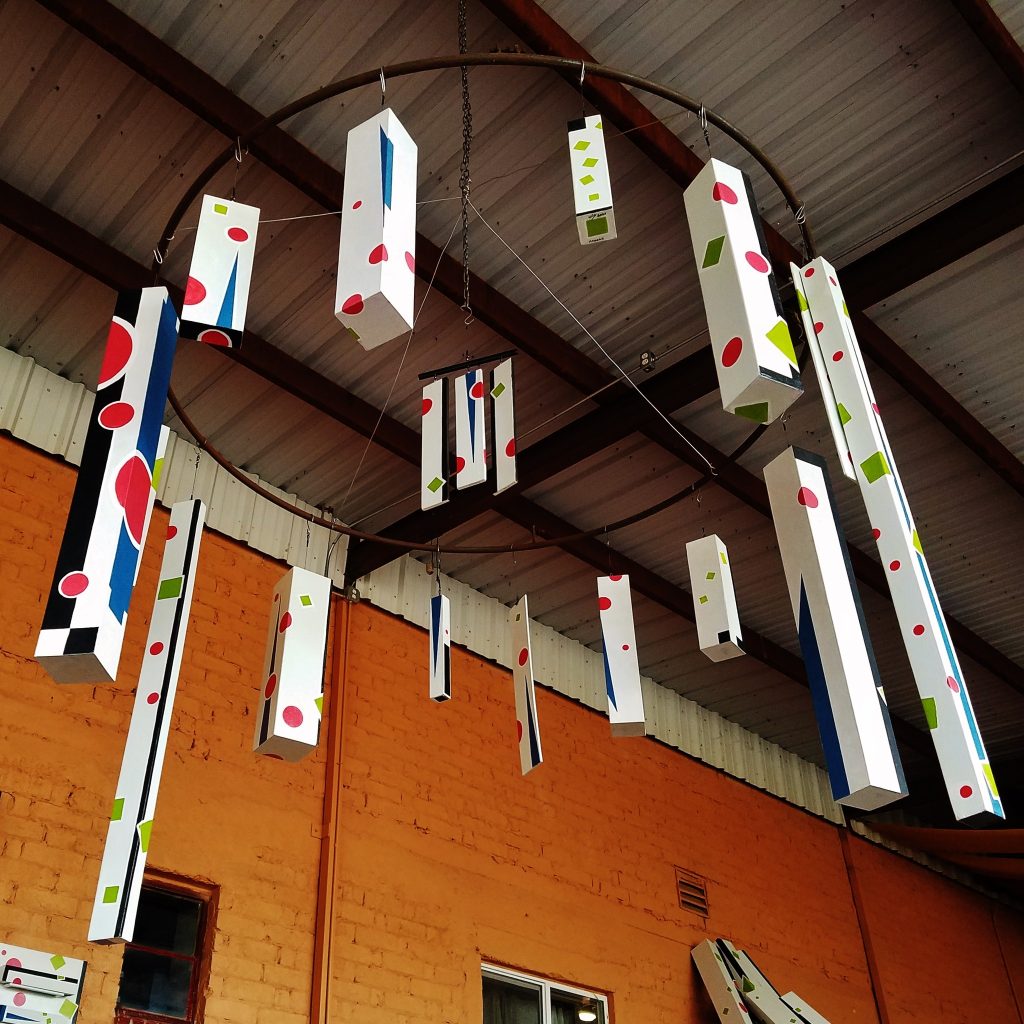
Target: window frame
column 206, row 896
column 546, row 985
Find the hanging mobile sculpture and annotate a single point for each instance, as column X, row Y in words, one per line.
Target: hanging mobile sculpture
column 440, row 638
column 377, row 252
column 754, row 356
column 37, row 986
column 844, row 382
column 714, row 599
column 291, row 703
column 527, row 727
column 864, row 766
column 131, row 820
column 83, row 625
column 217, row 293
column 591, row 181
column 621, row 668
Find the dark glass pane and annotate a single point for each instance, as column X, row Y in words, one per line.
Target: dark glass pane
column 159, row 984
column 167, row 921
column 567, row 1007
column 507, row 1002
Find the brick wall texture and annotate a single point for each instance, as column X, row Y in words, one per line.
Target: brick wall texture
column 445, row 856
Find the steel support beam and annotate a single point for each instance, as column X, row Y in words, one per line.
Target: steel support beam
column 995, row 37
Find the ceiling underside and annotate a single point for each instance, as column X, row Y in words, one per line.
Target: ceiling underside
column 883, row 116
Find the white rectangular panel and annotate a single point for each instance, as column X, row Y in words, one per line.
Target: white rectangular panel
column 591, row 182
column 527, row 726
column 720, row 984
column 36, row 986
column 714, row 600
column 621, row 668
column 434, row 445
column 503, row 403
column 470, row 430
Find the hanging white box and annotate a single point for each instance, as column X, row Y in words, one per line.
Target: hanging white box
column 527, row 726
column 714, row 600
column 434, row 445
column 621, row 668
column 440, row 640
column 504, row 440
column 591, row 182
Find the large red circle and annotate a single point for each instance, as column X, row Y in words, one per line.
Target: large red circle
column 195, row 292
column 805, row 496
column 758, row 262
column 133, row 487
column 524, row 655
column 352, row 305
column 115, row 415
column 292, row 716
column 116, row 354
column 73, row 584
column 604, row 603
column 731, row 352
column 238, row 234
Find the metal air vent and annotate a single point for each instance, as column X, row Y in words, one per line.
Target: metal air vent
column 692, row 891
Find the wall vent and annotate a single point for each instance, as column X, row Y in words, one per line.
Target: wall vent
column 692, row 891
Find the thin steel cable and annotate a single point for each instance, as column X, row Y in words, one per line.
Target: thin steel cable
column 467, row 145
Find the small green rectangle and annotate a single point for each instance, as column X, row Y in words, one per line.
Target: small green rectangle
column 219, row 208
column 115, row 814
column 710, row 575
column 68, row 1009
column 305, row 600
column 713, row 252
column 875, row 467
column 594, row 196
column 703, row 598
column 721, row 555
column 597, row 226
column 110, row 893
column 498, row 390
column 930, row 715
column 586, row 179
column 435, row 485
column 170, row 588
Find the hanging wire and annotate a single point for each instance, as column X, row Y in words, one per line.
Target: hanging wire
column 464, row 179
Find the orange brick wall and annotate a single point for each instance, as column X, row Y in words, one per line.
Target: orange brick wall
column 446, row 856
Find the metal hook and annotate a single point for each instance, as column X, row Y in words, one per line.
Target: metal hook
column 383, row 87
column 238, row 149
column 158, row 256
column 583, row 71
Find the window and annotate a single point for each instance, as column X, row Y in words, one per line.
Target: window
column 513, row 998
column 165, row 967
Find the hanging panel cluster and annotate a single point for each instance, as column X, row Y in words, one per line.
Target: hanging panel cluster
column 37, row 986
column 291, row 701
column 83, row 625
column 714, row 600
column 377, row 252
column 963, row 760
column 591, row 181
column 131, row 820
column 217, row 293
column 621, row 668
column 470, row 430
column 527, row 726
column 864, row 766
column 754, row 355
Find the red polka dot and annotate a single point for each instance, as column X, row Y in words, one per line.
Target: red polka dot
column 758, row 262
column 172, row 532
column 214, row 337
column 876, row 533
column 428, row 404
column 966, row 791
column 837, row 356
column 286, row 621
column 116, row 354
column 952, row 684
column 357, row 204
column 894, row 564
column 195, row 292
column 71, row 586
column 460, row 463
column 809, row 272
column 153, row 698
column 510, row 448
column 519, row 729
column 524, row 654
column 805, row 496
column 615, row 579
column 410, row 261
column 919, row 630
column 115, row 415
column 292, row 716
column 477, row 390
column 238, row 234
column 732, row 350
column 818, row 327
column 271, row 686
column 723, row 194
column 133, row 487
column 19, row 997
column 156, row 648
column 379, row 254
column 625, row 647
column 833, row 280
column 604, row 603
column 353, row 304
column 874, row 406
column 14, row 962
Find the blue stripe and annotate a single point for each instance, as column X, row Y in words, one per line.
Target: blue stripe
column 532, row 727
column 822, row 703
column 227, row 307
column 435, row 628
column 608, row 684
column 387, row 167
column 471, row 379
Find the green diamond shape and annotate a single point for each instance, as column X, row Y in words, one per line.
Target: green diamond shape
column 594, row 196
column 319, row 702
column 713, row 252
column 305, row 600
column 110, row 893
column 916, row 540
column 930, row 714
column 800, row 298
column 586, row 179
column 703, row 598
column 758, row 412
column 591, row 161
column 57, row 961
column 435, row 485
column 582, row 144
column 67, row 1008
column 115, row 814
column 779, row 337
column 498, row 390
column 220, row 208
column 748, row 985
column 710, row 575
column 875, row 467
column 844, row 416
column 597, row 226
column 170, row 588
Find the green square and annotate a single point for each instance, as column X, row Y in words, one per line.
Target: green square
column 930, row 715
column 758, row 412
column 710, row 575
column 591, row 161
column 305, row 600
column 875, row 467
column 57, row 961
column 435, row 485
column 68, row 1008
column 586, row 179
column 594, row 196
column 713, row 252
column 115, row 814
column 597, row 226
column 703, row 598
column 498, row 390
column 219, row 208
column 170, row 588
column 110, row 893
column 582, row 144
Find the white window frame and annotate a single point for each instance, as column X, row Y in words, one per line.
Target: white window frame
column 546, row 986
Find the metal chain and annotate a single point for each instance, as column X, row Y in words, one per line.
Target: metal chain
column 467, row 141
